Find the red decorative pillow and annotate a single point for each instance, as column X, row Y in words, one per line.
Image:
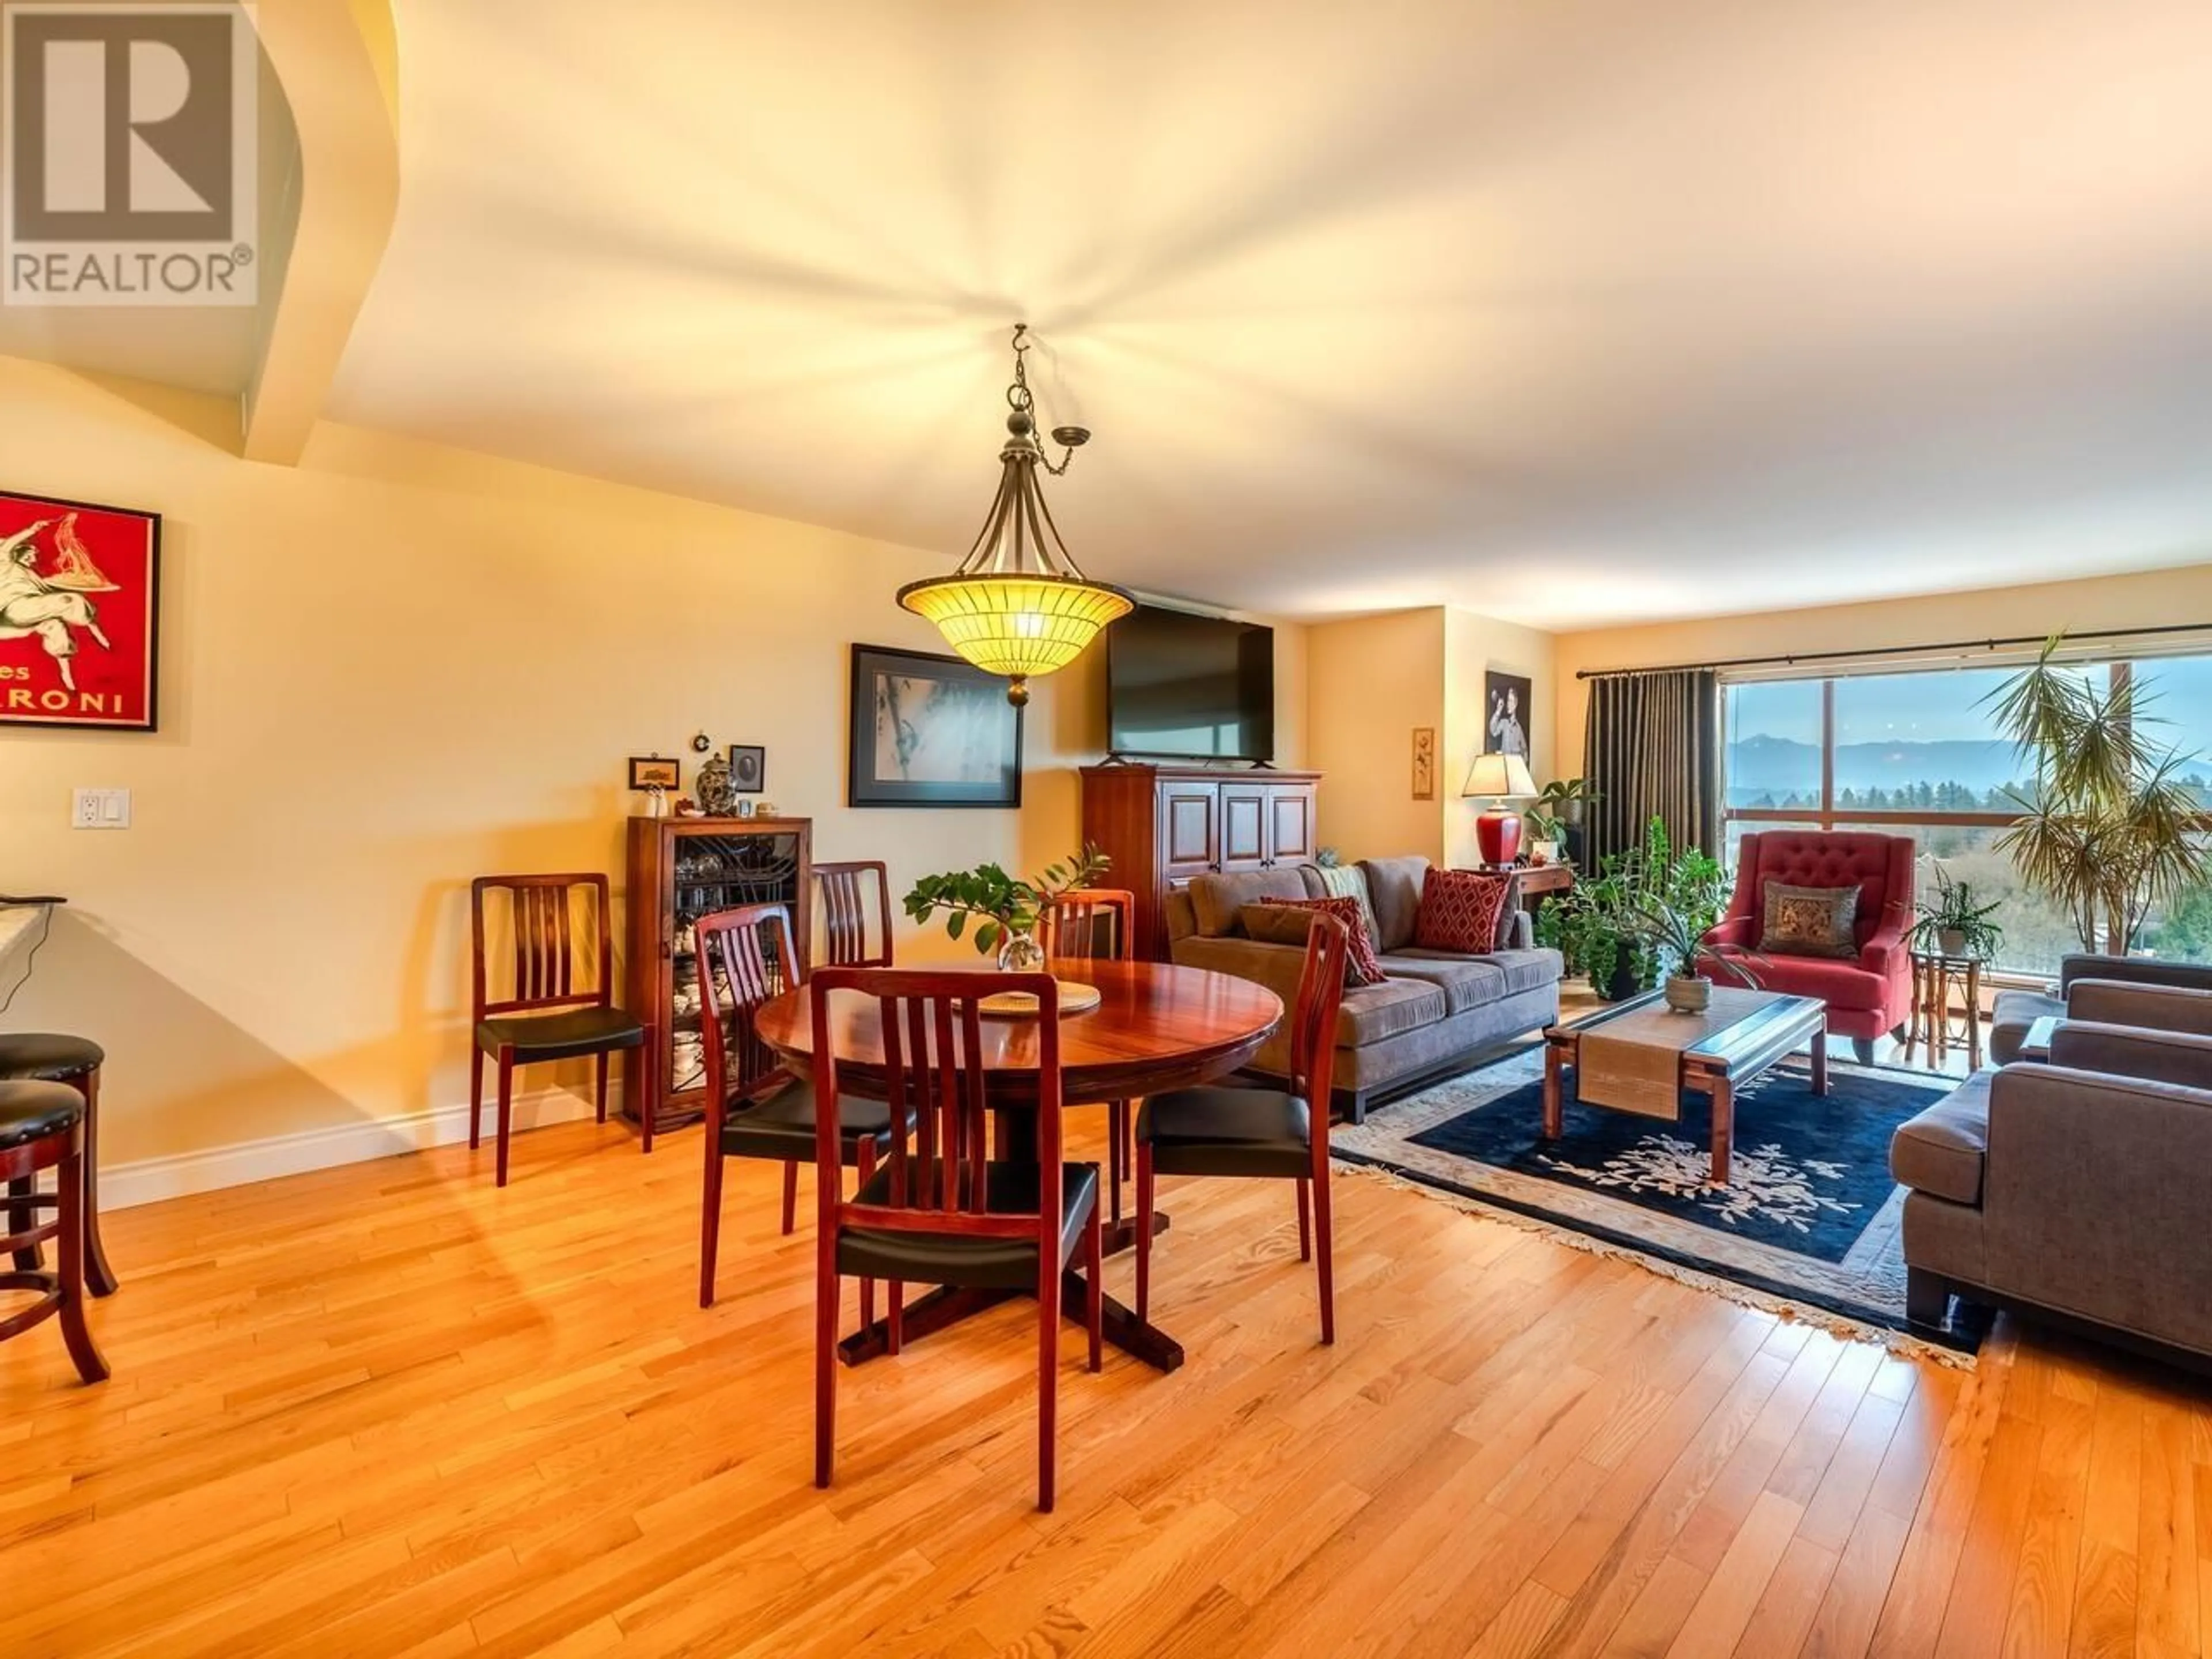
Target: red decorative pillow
column 1360, row 964
column 1459, row 911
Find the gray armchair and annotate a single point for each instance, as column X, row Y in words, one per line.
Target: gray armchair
column 2078, row 1188
column 2015, row 1012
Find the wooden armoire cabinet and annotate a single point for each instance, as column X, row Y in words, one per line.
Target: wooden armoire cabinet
column 681, row 869
column 1164, row 824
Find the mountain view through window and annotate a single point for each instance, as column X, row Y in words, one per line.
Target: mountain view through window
column 1919, row 754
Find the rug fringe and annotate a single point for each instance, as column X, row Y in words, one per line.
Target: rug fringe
column 1903, row 1343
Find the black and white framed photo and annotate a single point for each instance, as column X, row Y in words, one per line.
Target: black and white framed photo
column 747, row 768
column 931, row 731
column 1505, row 713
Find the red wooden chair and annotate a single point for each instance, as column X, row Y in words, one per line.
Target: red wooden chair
column 851, row 894
column 754, row 1107
column 1097, row 924
column 937, row 1211
column 1270, row 1133
column 551, row 1014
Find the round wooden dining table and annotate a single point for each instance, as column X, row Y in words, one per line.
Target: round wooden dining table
column 1157, row 1027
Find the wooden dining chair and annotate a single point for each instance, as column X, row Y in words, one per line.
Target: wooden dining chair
column 1096, row 924
column 551, row 1013
column 850, row 893
column 937, row 1211
column 754, row 1107
column 1279, row 1134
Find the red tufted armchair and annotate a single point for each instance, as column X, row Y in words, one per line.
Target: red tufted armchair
column 1866, row 996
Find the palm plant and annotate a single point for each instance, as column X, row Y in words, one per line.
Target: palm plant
column 2109, row 831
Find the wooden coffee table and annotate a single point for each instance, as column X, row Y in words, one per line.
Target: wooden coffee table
column 1715, row 1065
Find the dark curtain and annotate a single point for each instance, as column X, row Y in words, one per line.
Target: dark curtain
column 1652, row 749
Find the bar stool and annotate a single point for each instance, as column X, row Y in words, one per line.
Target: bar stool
column 42, row 1127
column 50, row 1057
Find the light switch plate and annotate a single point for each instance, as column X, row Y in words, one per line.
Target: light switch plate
column 101, row 809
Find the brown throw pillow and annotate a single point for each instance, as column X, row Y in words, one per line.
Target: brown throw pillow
column 1360, row 964
column 1809, row 921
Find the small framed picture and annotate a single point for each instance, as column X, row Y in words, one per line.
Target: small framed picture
column 747, row 768
column 654, row 772
column 1424, row 762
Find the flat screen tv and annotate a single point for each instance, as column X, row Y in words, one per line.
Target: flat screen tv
column 1184, row 686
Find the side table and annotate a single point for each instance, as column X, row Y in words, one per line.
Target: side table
column 1934, row 977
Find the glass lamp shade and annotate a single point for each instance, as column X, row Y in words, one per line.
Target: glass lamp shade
column 1500, row 777
column 1017, row 623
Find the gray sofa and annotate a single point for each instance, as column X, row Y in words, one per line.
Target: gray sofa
column 1436, row 1013
column 2015, row 1012
column 2075, row 1188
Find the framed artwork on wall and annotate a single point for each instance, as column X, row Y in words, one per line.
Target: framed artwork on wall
column 80, row 613
column 1424, row 762
column 930, row 730
column 655, row 772
column 1506, row 708
column 747, row 768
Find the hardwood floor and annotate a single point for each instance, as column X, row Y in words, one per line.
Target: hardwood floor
column 389, row 1409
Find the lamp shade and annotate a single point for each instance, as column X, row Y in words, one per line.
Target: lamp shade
column 1500, row 777
column 1015, row 624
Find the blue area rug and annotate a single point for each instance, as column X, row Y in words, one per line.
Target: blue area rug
column 1808, row 1175
column 1809, row 1217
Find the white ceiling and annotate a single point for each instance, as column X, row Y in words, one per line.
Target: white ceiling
column 1569, row 312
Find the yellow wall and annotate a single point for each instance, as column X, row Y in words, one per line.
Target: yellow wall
column 390, row 669
column 1373, row 680
column 2153, row 599
column 1474, row 647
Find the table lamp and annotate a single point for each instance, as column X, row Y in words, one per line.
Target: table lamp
column 1499, row 778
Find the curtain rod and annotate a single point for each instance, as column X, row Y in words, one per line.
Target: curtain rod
column 1898, row 650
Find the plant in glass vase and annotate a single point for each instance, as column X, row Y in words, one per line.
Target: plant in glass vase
column 1006, row 908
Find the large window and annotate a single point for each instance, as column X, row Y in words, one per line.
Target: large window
column 1917, row 753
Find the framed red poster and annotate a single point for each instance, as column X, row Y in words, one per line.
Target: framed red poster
column 80, row 597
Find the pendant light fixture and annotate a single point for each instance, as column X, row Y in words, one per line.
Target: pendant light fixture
column 1019, row 605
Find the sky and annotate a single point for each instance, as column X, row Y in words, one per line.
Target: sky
column 1946, row 705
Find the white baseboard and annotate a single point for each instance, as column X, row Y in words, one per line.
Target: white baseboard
column 149, row 1181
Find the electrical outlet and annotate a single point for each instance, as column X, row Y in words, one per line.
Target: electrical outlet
column 101, row 809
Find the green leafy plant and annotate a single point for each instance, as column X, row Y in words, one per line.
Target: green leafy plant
column 2108, row 831
column 1957, row 923
column 1648, row 909
column 1558, row 804
column 1001, row 904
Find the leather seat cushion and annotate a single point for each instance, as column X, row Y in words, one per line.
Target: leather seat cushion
column 32, row 1109
column 48, row 1054
column 560, row 1037
column 1942, row 1150
column 1227, row 1132
column 782, row 1126
column 981, row 1264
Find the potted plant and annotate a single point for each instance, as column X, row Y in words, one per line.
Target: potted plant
column 1957, row 924
column 2107, row 829
column 1647, row 910
column 1006, row 907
